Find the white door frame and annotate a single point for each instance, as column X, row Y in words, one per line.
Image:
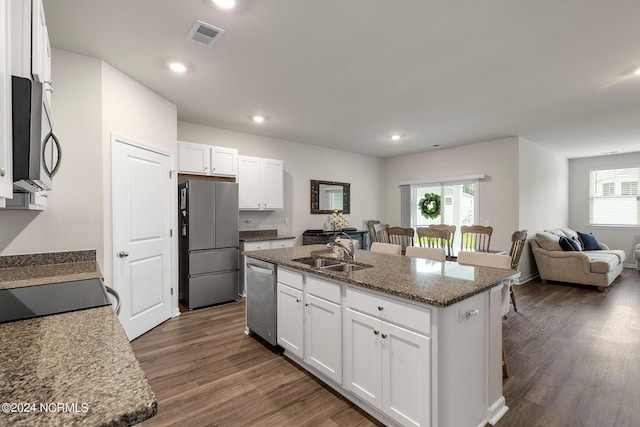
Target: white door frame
column 118, row 138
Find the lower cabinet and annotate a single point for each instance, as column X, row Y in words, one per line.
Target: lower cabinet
column 290, row 320
column 388, row 366
column 310, row 321
column 376, row 348
column 323, row 327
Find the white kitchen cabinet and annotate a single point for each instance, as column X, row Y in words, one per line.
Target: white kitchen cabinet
column 203, row 159
column 260, row 183
column 224, row 161
column 388, row 364
column 323, row 327
column 6, row 138
column 41, row 50
column 290, row 319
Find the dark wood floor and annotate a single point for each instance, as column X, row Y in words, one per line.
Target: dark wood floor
column 573, row 353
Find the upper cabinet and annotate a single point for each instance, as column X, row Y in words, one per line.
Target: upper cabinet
column 205, row 159
column 6, row 182
column 260, row 183
column 41, row 50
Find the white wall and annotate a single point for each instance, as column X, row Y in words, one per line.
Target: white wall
column 498, row 194
column 544, row 195
column 624, row 238
column 135, row 112
column 302, row 163
column 74, row 215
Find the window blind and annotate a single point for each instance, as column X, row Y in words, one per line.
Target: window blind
column 613, row 197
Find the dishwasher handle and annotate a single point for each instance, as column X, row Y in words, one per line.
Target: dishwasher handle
column 260, row 270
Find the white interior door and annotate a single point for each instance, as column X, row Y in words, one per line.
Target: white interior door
column 141, row 194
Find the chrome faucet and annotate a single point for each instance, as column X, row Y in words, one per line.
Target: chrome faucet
column 350, row 251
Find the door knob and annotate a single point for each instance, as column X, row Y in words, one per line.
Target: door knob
column 123, row 254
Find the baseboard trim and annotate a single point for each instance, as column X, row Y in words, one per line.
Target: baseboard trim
column 497, row 410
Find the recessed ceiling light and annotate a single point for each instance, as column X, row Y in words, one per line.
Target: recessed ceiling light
column 637, row 72
column 177, row 67
column 258, row 119
column 225, row 4
column 395, row 137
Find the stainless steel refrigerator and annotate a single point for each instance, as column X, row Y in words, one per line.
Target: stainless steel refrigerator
column 208, row 243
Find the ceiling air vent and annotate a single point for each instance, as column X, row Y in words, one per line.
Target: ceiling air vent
column 204, row 33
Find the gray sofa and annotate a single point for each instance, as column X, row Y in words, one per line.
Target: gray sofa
column 591, row 267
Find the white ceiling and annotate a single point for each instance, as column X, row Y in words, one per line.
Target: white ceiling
column 346, row 74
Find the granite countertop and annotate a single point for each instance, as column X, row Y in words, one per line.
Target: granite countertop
column 432, row 282
column 52, row 273
column 262, row 239
column 262, row 235
column 71, row 368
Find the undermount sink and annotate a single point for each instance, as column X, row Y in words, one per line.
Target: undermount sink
column 330, row 264
column 317, row 262
column 347, row 267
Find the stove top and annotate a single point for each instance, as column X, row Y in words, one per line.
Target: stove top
column 43, row 300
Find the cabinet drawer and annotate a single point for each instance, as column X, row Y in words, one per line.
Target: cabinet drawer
column 256, row 246
column 325, row 289
column 407, row 315
column 284, row 243
column 290, row 277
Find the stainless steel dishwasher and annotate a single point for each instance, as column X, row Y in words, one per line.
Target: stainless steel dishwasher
column 261, row 299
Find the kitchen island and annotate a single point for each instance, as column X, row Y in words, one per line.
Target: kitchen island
column 74, row 368
column 411, row 341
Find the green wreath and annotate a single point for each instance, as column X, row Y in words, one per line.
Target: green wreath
column 430, row 205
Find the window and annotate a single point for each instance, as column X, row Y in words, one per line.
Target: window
column 613, row 197
column 458, row 207
column 629, row 189
column 608, row 189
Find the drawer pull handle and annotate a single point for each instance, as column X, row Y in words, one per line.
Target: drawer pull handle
column 471, row 313
column 375, row 332
column 380, row 308
column 384, row 335
column 307, row 305
column 297, row 300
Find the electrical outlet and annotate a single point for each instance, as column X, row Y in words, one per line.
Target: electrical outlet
column 286, row 221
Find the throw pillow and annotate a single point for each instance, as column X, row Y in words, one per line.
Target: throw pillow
column 572, row 235
column 589, row 242
column 568, row 244
column 548, row 241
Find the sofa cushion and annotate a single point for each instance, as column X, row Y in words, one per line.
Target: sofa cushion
column 603, row 262
column 589, row 242
column 548, row 241
column 568, row 244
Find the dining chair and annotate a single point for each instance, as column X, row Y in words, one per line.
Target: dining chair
column 380, row 232
column 372, row 231
column 476, row 237
column 496, row 261
column 433, row 238
column 401, row 236
column 452, row 235
column 518, row 241
column 436, row 254
column 386, row 248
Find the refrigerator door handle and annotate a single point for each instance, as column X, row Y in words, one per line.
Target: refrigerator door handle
column 259, row 269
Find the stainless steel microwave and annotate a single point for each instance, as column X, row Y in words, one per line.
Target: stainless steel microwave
column 36, row 149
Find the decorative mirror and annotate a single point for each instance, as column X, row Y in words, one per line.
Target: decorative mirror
column 327, row 196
